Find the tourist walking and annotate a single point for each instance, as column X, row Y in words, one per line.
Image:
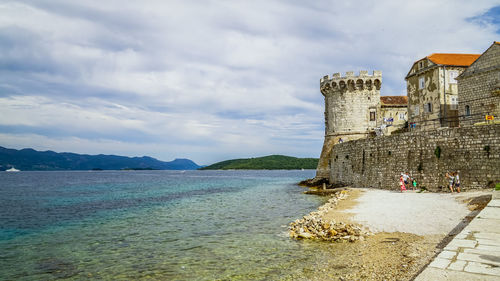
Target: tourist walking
column 414, row 184
column 406, row 179
column 402, row 183
column 451, row 180
column 457, row 181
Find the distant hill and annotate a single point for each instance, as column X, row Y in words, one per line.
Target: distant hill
column 273, row 162
column 31, row 160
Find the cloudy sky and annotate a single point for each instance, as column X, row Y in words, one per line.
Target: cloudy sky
column 207, row 80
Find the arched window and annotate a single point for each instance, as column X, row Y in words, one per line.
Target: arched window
column 350, row 85
column 359, row 84
column 467, row 110
column 368, row 84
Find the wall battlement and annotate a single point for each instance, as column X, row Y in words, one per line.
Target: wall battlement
column 351, row 82
column 350, row 74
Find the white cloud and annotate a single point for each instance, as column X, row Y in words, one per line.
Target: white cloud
column 206, row 80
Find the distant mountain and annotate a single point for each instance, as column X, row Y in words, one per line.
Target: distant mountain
column 272, row 162
column 31, row 160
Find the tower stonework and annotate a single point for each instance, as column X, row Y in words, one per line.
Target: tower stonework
column 352, row 106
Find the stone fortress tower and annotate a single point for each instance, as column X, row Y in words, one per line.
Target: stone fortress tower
column 352, row 104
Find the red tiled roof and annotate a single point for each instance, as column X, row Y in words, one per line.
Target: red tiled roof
column 453, row 59
column 394, row 100
column 496, row 42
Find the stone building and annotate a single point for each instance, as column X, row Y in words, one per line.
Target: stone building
column 441, row 88
column 432, row 90
column 354, row 110
column 479, row 88
column 393, row 113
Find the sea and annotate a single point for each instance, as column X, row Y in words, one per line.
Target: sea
column 156, row 225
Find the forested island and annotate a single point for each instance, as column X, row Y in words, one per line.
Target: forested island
column 272, row 162
column 31, row 160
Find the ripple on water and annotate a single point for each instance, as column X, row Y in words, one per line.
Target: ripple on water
column 196, row 226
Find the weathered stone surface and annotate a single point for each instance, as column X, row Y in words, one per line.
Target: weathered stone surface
column 479, row 87
column 353, row 110
column 378, row 162
column 440, row 263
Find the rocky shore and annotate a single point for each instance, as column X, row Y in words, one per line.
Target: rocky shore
column 316, row 226
column 394, row 235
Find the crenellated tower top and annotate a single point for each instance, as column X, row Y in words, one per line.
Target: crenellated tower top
column 352, row 103
column 351, row 82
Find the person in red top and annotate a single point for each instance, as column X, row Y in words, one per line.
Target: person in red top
column 402, row 183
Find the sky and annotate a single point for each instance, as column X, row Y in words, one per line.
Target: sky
column 207, row 80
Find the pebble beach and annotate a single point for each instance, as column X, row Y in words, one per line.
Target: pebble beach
column 391, row 235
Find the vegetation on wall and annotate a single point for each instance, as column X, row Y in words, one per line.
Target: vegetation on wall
column 437, row 152
column 487, row 149
column 420, row 167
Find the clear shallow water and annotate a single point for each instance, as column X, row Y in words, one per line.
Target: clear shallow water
column 166, row 225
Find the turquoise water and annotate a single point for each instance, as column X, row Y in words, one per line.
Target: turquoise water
column 164, row 225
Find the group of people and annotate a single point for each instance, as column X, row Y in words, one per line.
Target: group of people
column 454, row 180
column 405, row 181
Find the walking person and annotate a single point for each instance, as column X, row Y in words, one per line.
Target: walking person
column 457, row 181
column 406, row 178
column 402, row 183
column 451, row 180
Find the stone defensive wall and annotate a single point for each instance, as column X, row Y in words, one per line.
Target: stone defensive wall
column 427, row 156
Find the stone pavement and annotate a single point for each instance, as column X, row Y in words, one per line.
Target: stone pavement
column 474, row 254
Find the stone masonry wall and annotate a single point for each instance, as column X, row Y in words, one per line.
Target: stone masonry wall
column 378, row 162
column 477, row 87
column 349, row 102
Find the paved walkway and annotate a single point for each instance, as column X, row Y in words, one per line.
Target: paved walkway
column 474, row 254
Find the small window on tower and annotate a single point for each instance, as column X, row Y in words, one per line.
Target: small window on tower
column 421, row 83
column 372, row 116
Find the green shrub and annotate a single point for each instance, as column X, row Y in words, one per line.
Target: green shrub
column 437, row 152
column 497, row 186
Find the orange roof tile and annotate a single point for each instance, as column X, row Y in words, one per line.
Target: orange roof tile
column 453, row 59
column 394, row 100
column 496, row 42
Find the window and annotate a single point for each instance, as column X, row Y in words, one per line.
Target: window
column 402, row 116
column 454, row 103
column 452, row 74
column 428, row 107
column 421, row 64
column 467, row 110
column 421, row 83
column 372, row 116
column 415, row 110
